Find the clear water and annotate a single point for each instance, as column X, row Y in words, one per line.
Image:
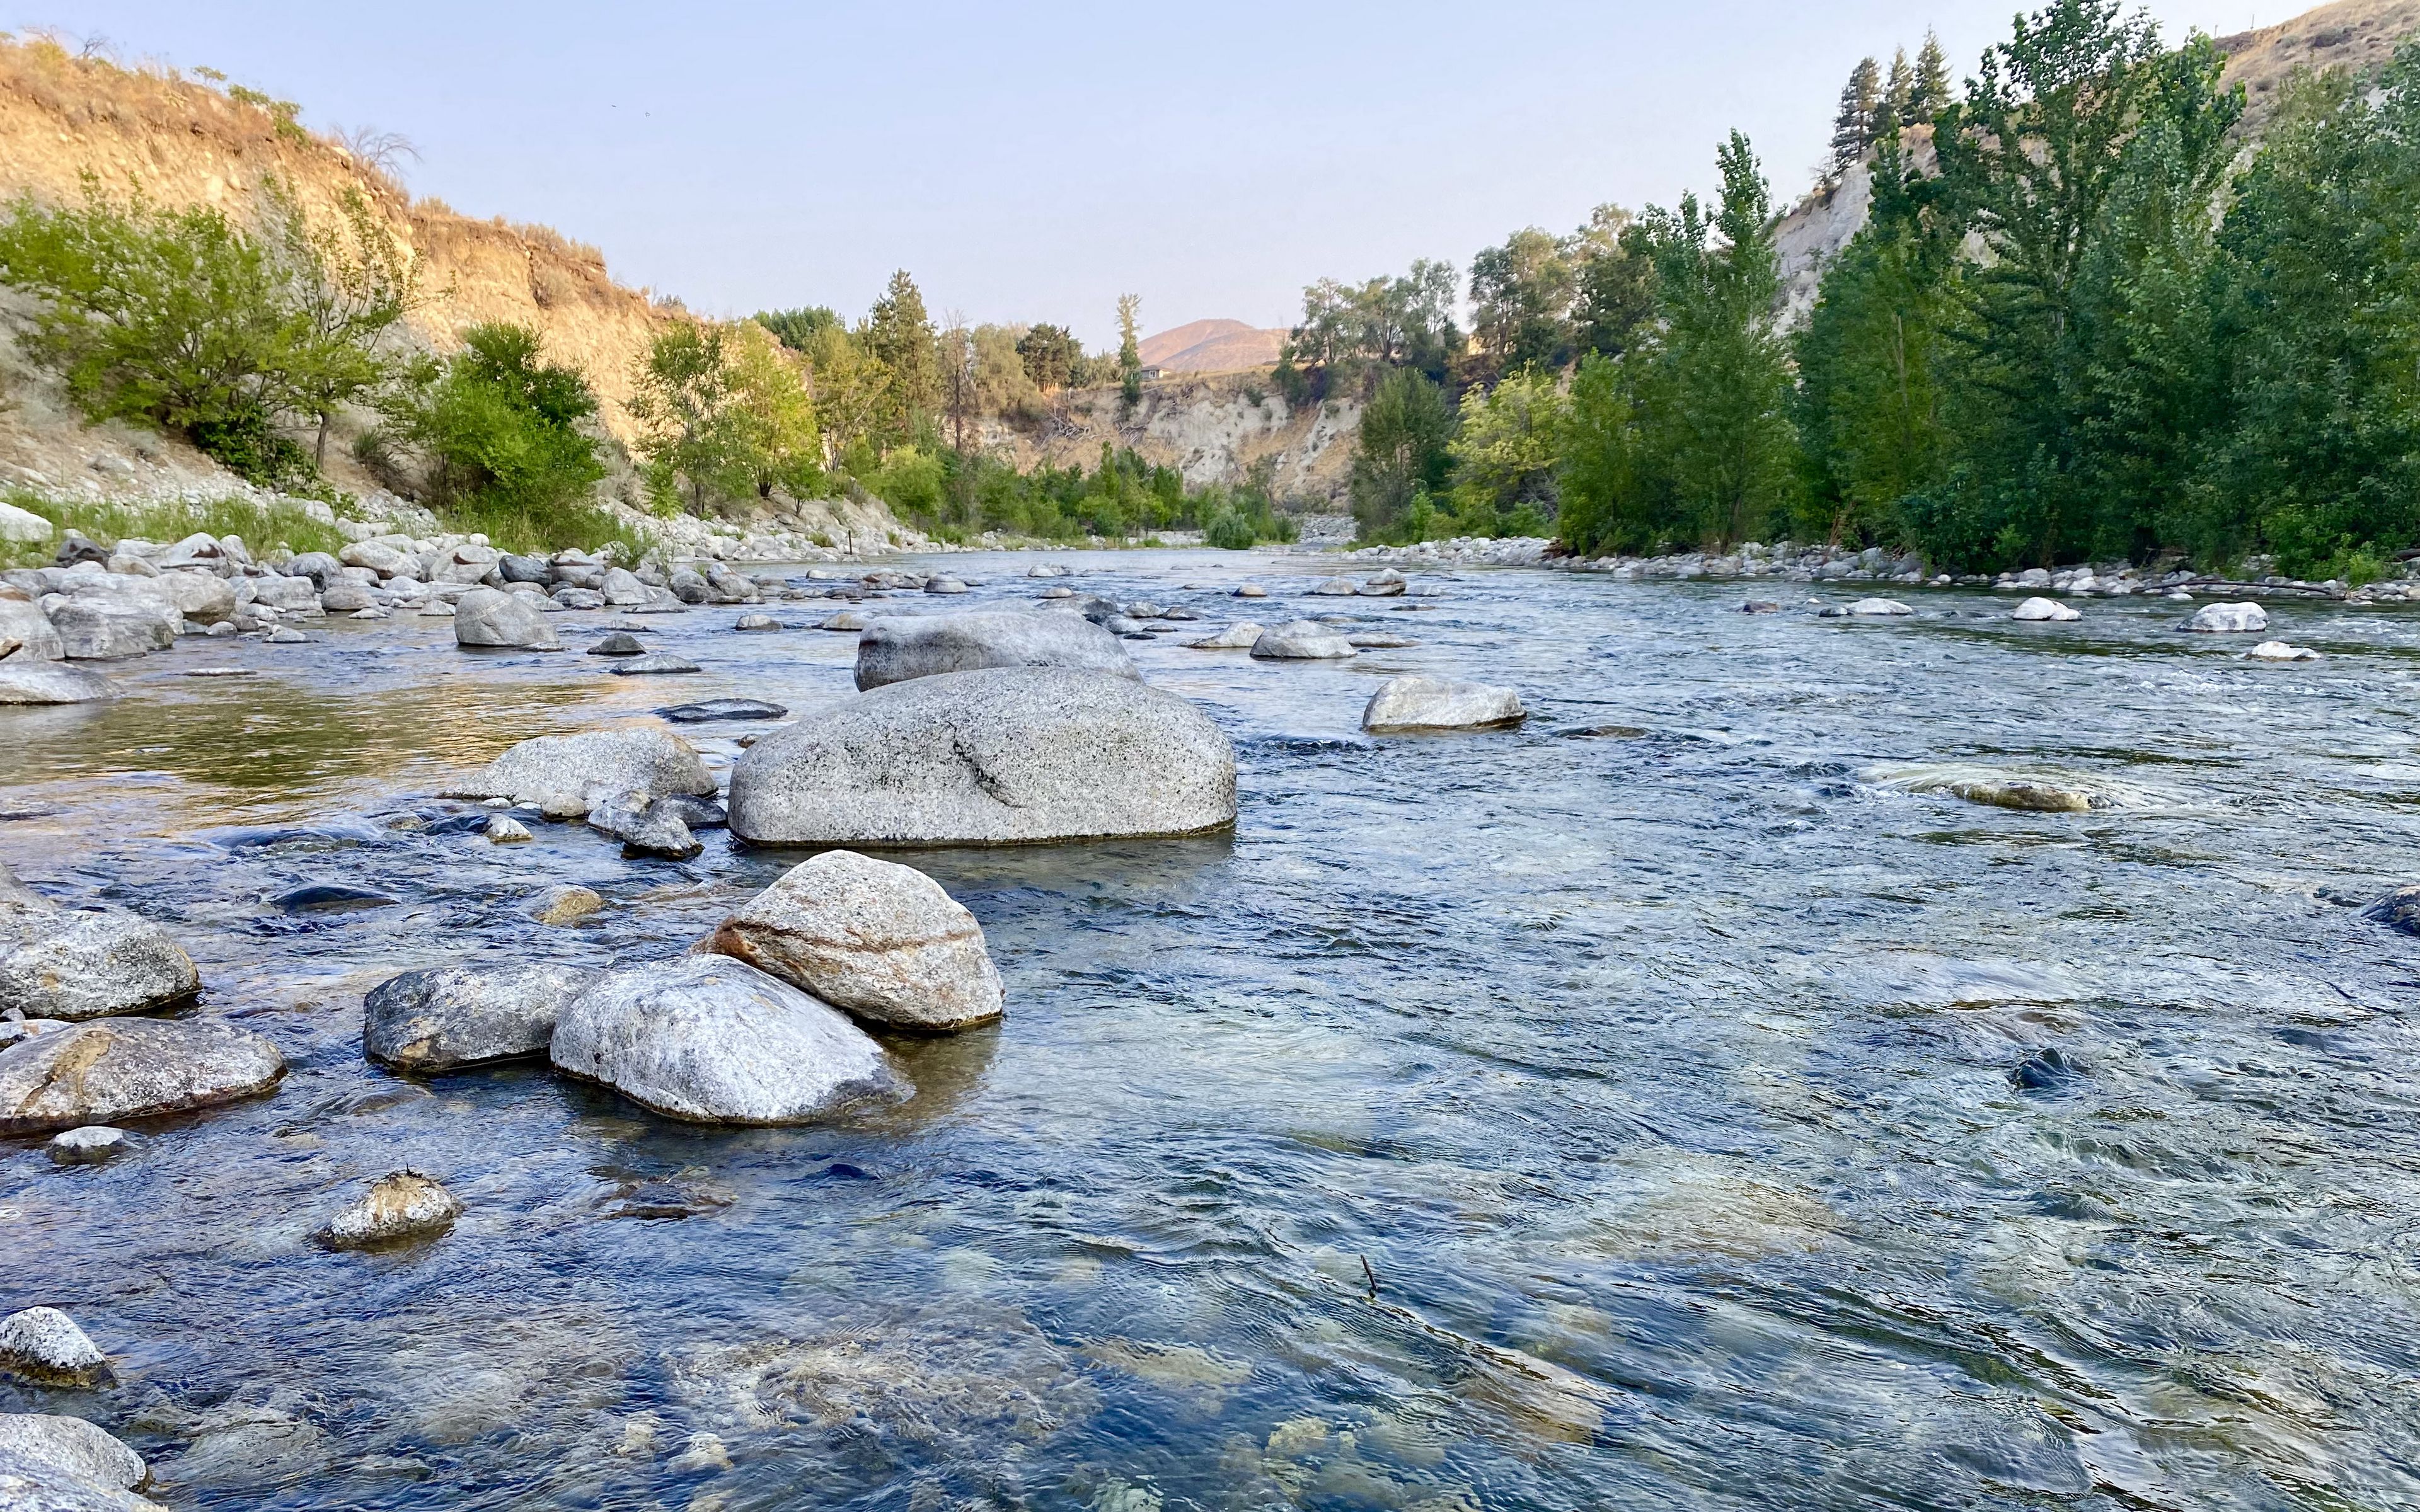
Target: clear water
column 1667, row 1079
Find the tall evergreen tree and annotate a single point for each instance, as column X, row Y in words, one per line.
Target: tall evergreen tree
column 1929, row 91
column 899, row 335
column 1129, row 351
column 1853, row 126
column 1899, row 96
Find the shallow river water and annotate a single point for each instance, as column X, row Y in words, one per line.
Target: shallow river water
column 1665, row 1105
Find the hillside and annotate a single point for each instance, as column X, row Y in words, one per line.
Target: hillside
column 2357, row 35
column 1212, row 347
column 1214, row 428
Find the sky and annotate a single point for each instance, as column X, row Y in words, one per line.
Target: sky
column 1031, row 162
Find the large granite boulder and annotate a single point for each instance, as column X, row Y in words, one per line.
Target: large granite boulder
column 1423, row 702
column 2241, row 618
column 877, row 938
column 488, row 617
column 711, row 1040
column 73, row 964
column 71, row 1448
column 112, row 1069
column 565, row 775
column 895, row 650
column 1000, row 757
column 112, row 626
column 1302, row 640
column 44, row 1345
column 202, row 596
column 25, row 680
column 453, row 1016
column 24, row 625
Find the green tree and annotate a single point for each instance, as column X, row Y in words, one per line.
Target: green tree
column 502, row 435
column 1929, row 91
column 1616, row 282
column 2085, row 157
column 1521, row 299
column 778, row 443
column 1403, row 452
column 1716, row 384
column 800, row 329
column 1869, row 395
column 899, row 336
column 2320, row 460
column 1506, row 454
column 1612, row 495
column 1051, row 354
column 1853, row 124
column 683, row 396
column 1130, row 352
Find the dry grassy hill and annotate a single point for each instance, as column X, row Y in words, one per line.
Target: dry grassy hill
column 2357, row 35
column 184, row 142
column 1212, row 347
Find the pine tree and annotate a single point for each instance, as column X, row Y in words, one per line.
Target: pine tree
column 1129, row 352
column 1929, row 94
column 1899, row 96
column 1853, row 129
column 899, row 335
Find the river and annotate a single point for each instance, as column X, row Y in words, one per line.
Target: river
column 1665, row 1105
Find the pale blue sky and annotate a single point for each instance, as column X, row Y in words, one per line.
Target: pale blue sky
column 1030, row 164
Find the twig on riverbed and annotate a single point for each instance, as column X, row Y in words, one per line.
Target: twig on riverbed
column 1371, row 1274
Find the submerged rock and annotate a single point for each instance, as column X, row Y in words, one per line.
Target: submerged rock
column 2025, row 795
column 399, row 1206
column 88, row 1146
column 1421, row 702
column 2045, row 609
column 757, row 621
column 74, row 963
column 488, row 617
column 23, row 680
column 1251, row 591
column 881, row 940
column 848, row 620
column 66, row 1449
column 713, row 709
column 1379, row 640
column 711, row 1040
column 1237, row 637
column 330, row 898
column 503, row 829
column 1302, row 640
column 654, row 664
column 467, row 1015
column 1004, row 756
column 644, row 825
column 896, row 650
column 1869, row 608
column 110, row 1070
column 564, row 774
column 566, row 905
column 44, row 1345
column 1387, row 584
column 2280, row 651
column 2228, row 618
column 2399, row 909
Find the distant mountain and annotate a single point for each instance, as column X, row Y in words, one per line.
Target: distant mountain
column 1211, row 346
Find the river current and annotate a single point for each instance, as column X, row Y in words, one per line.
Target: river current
column 1669, row 1105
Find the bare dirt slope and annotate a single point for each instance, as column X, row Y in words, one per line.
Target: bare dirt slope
column 1214, row 428
column 63, row 116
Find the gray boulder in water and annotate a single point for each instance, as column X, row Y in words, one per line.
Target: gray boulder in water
column 2399, row 909
column 399, row 1206
column 882, row 940
column 1000, row 757
column 24, row 680
column 711, row 1040
column 644, row 825
column 895, row 650
column 24, row 625
column 564, row 776
column 1421, row 702
column 2243, row 618
column 72, row 964
column 468, row 1015
column 66, row 1449
column 44, row 1344
column 1241, row 635
column 114, row 1069
column 1301, row 641
column 99, row 627
column 491, row 619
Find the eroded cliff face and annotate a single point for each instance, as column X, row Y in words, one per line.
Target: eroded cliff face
column 182, row 143
column 1213, row 428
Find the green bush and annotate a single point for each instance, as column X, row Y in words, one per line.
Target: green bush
column 499, row 429
column 186, row 322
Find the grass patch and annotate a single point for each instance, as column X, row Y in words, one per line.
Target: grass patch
column 542, row 531
column 263, row 528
